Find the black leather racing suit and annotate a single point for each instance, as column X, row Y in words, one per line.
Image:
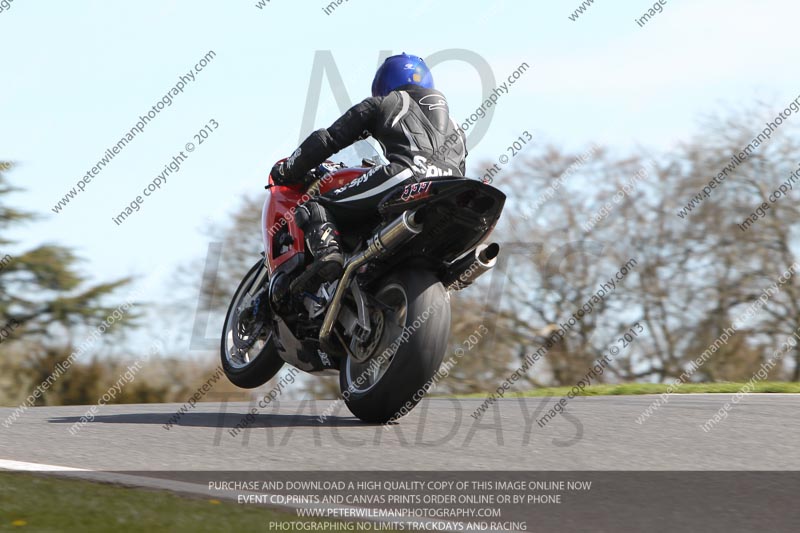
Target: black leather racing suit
column 414, row 127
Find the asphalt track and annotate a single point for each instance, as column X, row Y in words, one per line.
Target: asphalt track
column 598, row 434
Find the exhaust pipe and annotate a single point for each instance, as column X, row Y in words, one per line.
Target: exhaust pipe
column 387, row 240
column 467, row 269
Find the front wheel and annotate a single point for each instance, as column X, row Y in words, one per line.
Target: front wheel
column 415, row 320
column 249, row 356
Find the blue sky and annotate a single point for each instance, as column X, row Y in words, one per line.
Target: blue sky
column 77, row 75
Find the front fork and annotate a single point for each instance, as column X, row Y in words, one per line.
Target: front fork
column 262, row 276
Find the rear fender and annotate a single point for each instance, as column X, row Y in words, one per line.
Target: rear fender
column 457, row 214
column 461, row 192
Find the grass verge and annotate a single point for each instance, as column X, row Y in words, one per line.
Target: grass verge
column 32, row 503
column 626, row 389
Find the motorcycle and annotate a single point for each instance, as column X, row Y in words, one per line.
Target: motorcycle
column 383, row 326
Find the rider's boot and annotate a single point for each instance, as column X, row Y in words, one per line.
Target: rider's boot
column 322, row 240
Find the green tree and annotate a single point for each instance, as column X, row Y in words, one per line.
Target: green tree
column 43, row 294
column 43, row 286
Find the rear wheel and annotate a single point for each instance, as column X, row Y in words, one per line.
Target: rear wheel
column 249, row 356
column 415, row 327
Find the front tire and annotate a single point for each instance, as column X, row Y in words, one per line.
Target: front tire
column 248, row 352
column 416, row 329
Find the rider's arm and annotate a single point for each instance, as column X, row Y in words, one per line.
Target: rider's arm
column 358, row 122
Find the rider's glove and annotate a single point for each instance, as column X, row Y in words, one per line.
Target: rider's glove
column 278, row 175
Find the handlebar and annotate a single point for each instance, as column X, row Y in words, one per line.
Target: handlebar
column 320, row 171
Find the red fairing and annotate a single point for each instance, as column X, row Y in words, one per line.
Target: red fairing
column 281, row 205
column 279, row 210
column 340, row 178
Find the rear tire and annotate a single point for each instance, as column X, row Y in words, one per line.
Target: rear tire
column 254, row 367
column 379, row 394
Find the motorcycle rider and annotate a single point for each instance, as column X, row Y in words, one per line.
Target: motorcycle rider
column 411, row 121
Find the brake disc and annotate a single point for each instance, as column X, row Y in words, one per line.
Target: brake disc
column 363, row 351
column 247, row 327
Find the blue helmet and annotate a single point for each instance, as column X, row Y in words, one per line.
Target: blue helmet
column 399, row 70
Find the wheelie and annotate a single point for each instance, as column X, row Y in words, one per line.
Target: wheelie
column 358, row 253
